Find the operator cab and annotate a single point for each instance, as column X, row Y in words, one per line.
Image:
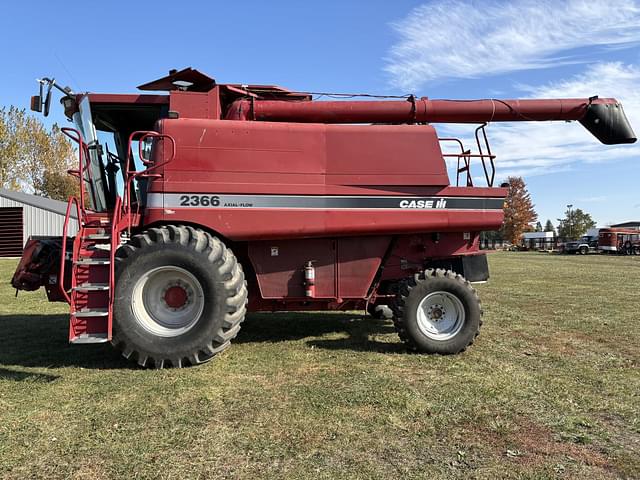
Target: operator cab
column 103, row 120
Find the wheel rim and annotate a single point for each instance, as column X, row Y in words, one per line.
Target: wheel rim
column 167, row 301
column 441, row 315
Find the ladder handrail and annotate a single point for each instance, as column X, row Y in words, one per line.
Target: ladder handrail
column 67, row 217
column 76, row 137
column 115, row 243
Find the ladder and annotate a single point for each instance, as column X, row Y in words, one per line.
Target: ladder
column 92, row 281
column 92, row 275
column 92, row 260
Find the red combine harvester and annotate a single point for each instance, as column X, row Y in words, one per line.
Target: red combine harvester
column 327, row 205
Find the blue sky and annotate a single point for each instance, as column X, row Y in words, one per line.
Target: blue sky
column 442, row 49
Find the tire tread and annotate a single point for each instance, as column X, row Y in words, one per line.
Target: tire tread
column 404, row 287
column 235, row 285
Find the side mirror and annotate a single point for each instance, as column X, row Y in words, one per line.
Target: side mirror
column 47, row 100
column 36, row 103
column 145, row 147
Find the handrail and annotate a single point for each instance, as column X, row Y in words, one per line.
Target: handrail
column 144, row 134
column 466, row 156
column 489, row 155
column 115, row 243
column 131, row 175
column 67, row 217
column 76, row 136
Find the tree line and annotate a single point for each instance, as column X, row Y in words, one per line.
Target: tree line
column 520, row 214
column 33, row 158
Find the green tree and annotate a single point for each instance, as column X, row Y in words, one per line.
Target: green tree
column 575, row 223
column 548, row 227
column 33, row 158
column 538, row 227
column 518, row 210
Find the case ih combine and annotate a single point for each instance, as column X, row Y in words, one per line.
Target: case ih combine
column 326, row 205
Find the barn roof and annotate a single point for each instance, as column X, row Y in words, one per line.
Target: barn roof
column 627, row 225
column 55, row 206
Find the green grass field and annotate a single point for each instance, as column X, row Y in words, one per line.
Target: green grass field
column 551, row 389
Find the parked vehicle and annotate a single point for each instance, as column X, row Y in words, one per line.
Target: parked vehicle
column 623, row 241
column 583, row 246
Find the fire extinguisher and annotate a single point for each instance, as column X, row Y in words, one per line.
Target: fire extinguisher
column 309, row 279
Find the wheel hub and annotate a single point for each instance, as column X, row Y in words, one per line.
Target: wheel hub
column 440, row 315
column 176, row 296
column 436, row 312
column 167, row 301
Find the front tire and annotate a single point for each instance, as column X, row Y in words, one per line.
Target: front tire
column 437, row 311
column 180, row 297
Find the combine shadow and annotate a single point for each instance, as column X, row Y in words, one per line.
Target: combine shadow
column 41, row 341
column 283, row 326
column 18, row 376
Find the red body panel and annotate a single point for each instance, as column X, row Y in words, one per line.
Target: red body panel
column 216, row 157
column 262, row 162
column 261, row 152
column 242, row 225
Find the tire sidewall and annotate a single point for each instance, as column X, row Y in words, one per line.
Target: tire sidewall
column 469, row 302
column 131, row 269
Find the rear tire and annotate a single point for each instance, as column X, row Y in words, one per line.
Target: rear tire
column 437, row 311
column 180, row 297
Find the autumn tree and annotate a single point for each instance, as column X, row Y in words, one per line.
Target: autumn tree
column 575, row 223
column 33, row 158
column 518, row 210
column 548, row 227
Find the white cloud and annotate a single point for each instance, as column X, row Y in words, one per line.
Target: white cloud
column 460, row 39
column 538, row 148
column 594, row 198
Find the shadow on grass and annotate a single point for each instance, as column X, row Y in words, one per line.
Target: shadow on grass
column 18, row 376
column 41, row 340
column 283, row 326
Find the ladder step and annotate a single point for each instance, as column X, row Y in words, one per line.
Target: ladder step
column 96, row 312
column 92, row 287
column 105, row 247
column 92, row 261
column 91, row 338
column 97, row 236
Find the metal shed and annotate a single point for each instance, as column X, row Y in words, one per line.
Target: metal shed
column 23, row 215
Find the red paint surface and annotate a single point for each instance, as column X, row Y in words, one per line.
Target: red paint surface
column 421, row 110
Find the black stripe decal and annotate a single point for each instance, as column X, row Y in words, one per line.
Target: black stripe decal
column 199, row 200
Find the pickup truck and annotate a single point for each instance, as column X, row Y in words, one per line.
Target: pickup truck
column 583, row 246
